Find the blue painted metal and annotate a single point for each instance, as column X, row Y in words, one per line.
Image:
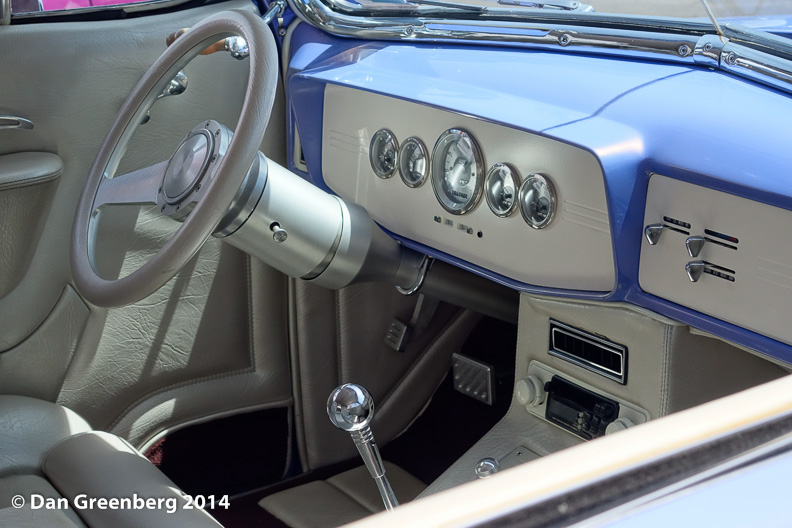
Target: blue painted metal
column 686, row 122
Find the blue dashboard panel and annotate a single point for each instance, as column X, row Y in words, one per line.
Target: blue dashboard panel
column 688, row 123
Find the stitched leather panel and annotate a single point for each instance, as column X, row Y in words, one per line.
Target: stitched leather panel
column 338, row 337
column 97, row 63
column 23, row 211
column 166, row 360
column 37, row 366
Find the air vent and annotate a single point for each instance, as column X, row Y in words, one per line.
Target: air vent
column 588, row 351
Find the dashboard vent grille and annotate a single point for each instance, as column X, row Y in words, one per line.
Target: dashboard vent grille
column 588, row 351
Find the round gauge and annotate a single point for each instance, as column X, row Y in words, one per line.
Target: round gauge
column 383, row 152
column 500, row 189
column 457, row 171
column 537, row 201
column 413, row 162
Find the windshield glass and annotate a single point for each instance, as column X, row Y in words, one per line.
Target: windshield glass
column 722, row 9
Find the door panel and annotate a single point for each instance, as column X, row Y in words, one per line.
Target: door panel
column 157, row 364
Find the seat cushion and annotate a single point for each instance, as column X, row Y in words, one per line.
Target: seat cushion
column 339, row 500
column 26, row 486
column 28, row 430
column 99, row 465
column 52, row 464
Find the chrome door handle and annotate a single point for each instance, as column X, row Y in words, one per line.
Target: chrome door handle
column 15, row 122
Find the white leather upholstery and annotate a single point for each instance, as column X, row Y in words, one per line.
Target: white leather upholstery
column 332, row 345
column 49, row 451
column 29, row 429
column 91, row 464
column 342, row 499
column 219, row 327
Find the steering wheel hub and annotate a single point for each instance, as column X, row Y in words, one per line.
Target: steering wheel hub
column 187, row 167
column 191, row 168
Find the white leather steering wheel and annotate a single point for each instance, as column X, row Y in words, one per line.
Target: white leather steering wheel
column 203, row 176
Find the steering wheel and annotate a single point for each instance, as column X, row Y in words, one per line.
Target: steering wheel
column 202, row 177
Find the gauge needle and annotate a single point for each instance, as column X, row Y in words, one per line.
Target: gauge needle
column 455, row 176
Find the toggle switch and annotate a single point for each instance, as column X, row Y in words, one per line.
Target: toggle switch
column 653, row 232
column 694, row 245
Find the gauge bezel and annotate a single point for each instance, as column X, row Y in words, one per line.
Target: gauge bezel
column 488, row 185
column 525, row 187
column 388, row 137
column 420, row 145
column 443, row 142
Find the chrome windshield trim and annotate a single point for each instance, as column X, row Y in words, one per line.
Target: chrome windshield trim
column 757, row 66
column 624, row 36
column 506, row 32
column 127, row 8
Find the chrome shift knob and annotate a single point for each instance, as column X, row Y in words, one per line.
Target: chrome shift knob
column 351, row 408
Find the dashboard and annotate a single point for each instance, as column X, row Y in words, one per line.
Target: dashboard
column 625, row 144
column 557, row 235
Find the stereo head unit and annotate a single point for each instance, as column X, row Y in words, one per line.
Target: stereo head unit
column 578, row 410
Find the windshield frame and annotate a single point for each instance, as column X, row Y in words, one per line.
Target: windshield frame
column 741, row 51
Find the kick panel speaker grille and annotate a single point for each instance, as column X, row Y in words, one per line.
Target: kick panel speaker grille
column 588, row 351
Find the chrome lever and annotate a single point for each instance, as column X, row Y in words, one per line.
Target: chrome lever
column 8, row 122
column 653, row 232
column 176, row 86
column 351, row 408
column 694, row 245
column 695, row 269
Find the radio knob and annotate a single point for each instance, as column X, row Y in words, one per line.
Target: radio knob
column 619, row 424
column 530, row 392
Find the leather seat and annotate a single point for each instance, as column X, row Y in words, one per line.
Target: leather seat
column 49, row 452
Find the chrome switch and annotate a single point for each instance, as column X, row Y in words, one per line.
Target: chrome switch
column 694, row 269
column 694, row 245
column 653, row 232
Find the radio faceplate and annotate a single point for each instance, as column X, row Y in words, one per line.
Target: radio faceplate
column 573, row 405
column 578, row 410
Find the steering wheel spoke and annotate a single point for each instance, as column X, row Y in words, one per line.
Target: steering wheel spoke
column 138, row 187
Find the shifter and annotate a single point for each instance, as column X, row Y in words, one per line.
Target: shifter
column 351, row 408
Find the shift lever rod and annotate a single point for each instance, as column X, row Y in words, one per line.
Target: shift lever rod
column 351, row 408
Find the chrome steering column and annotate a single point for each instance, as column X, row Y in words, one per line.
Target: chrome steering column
column 310, row 234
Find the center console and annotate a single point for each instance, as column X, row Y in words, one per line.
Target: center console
column 586, row 369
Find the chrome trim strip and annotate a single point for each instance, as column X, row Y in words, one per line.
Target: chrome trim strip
column 756, row 66
column 5, row 12
column 615, row 348
column 629, row 36
column 127, row 8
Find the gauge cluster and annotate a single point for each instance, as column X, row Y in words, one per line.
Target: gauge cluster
column 461, row 182
column 458, row 181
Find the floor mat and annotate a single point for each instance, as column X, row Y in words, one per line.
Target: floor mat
column 226, row 456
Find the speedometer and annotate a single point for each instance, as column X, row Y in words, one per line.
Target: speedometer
column 457, row 169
